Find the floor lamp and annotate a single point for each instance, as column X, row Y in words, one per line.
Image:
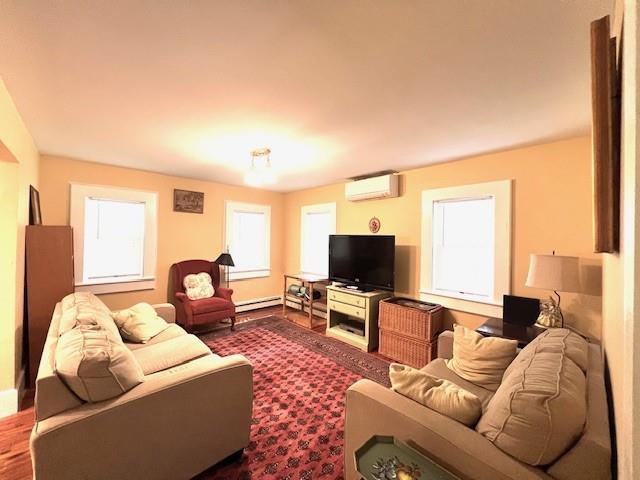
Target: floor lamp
column 225, row 260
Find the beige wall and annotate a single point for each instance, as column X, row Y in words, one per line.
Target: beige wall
column 19, row 162
column 551, row 211
column 621, row 275
column 181, row 236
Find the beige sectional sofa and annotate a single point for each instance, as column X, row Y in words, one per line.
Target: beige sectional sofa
column 523, row 417
column 190, row 410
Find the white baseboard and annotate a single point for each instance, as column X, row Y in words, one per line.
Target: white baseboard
column 10, row 399
column 256, row 303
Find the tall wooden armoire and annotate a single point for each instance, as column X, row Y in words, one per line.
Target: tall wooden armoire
column 49, row 277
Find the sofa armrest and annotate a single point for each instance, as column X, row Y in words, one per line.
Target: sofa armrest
column 175, row 424
column 224, row 293
column 166, row 311
column 445, row 345
column 376, row 410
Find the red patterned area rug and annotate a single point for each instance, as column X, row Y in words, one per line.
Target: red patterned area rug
column 300, row 380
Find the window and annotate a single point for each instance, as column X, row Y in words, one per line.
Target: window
column 317, row 222
column 466, row 246
column 248, row 237
column 115, row 238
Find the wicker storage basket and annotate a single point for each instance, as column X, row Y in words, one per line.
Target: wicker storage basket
column 408, row 330
column 419, row 323
column 408, row 351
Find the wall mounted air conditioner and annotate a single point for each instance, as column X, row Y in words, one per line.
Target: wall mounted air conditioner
column 384, row 186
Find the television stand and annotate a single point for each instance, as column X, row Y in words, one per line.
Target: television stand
column 359, row 311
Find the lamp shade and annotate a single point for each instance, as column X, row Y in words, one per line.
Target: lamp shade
column 225, row 259
column 554, row 272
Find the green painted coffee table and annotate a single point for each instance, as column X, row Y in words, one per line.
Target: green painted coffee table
column 385, row 458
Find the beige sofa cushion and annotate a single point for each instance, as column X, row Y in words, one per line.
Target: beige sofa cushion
column 539, row 411
column 440, row 395
column 84, row 308
column 557, row 340
column 481, row 360
column 438, row 368
column 139, row 323
column 95, row 364
column 174, row 352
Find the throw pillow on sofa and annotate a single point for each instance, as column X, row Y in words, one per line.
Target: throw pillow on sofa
column 198, row 286
column 95, row 364
column 440, row 395
column 139, row 323
column 540, row 409
column 481, row 360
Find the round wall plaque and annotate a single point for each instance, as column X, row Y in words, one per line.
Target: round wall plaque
column 374, row 225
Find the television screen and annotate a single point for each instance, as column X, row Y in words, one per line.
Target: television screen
column 366, row 261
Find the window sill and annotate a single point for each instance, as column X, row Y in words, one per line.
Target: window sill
column 484, row 308
column 146, row 283
column 234, row 276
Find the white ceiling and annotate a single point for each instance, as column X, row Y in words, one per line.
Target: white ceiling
column 335, row 88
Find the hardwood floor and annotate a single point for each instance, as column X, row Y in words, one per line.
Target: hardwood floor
column 15, row 460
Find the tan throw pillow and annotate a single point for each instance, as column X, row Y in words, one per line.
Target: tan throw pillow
column 481, row 360
column 540, row 409
column 139, row 323
column 198, row 286
column 440, row 395
column 94, row 364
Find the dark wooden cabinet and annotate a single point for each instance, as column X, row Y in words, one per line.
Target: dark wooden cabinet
column 49, row 277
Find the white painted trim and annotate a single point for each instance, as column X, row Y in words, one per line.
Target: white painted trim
column 10, row 399
column 233, row 276
column 501, row 191
column 78, row 193
column 257, row 303
column 462, row 305
column 315, row 208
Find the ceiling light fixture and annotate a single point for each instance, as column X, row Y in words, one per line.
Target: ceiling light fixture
column 260, row 172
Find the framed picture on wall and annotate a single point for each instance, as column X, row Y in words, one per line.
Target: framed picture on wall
column 605, row 104
column 35, row 216
column 187, row 201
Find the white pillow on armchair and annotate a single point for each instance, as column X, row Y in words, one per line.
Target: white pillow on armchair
column 198, row 286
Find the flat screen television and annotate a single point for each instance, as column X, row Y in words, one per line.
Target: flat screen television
column 364, row 261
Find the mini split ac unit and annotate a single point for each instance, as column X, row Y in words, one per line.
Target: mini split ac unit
column 384, row 186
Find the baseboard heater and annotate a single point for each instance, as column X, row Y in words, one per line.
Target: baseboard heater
column 256, row 303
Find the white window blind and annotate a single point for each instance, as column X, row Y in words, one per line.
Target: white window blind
column 113, row 239
column 248, row 233
column 463, row 246
column 317, row 223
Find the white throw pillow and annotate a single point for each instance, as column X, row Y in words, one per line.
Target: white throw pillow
column 198, row 286
column 139, row 323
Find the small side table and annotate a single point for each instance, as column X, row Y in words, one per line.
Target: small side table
column 309, row 281
column 495, row 327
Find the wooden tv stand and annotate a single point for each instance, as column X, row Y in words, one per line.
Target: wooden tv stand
column 358, row 311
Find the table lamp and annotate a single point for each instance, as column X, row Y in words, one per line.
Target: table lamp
column 554, row 272
column 225, row 259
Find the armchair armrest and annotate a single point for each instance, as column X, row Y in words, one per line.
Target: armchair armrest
column 224, row 293
column 376, row 410
column 182, row 296
column 166, row 311
column 445, row 345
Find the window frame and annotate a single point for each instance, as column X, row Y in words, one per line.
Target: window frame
column 147, row 281
column 232, row 206
column 330, row 208
column 501, row 191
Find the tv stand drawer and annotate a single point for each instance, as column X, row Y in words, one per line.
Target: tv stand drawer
column 349, row 299
column 347, row 309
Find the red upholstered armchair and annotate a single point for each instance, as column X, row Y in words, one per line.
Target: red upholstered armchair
column 206, row 310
